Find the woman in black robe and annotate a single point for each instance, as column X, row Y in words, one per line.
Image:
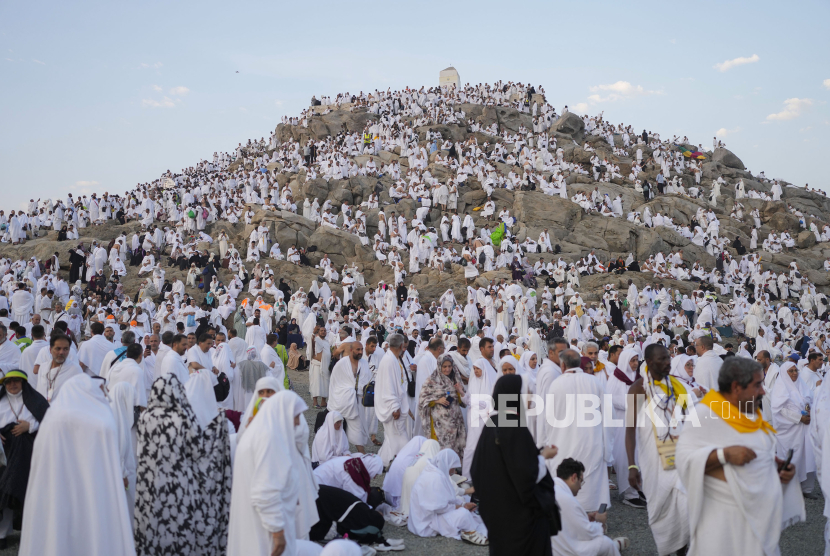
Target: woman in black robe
column 282, row 331
column 517, row 273
column 77, row 259
column 616, row 314
column 352, row 516
column 738, row 246
column 21, row 403
column 520, row 512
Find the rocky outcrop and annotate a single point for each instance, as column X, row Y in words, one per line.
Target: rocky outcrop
column 570, row 124
column 728, row 159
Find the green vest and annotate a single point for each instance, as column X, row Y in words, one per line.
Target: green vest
column 23, row 343
column 283, row 355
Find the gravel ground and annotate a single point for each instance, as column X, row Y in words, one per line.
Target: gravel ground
column 804, row 539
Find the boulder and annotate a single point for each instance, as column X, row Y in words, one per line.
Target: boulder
column 512, row 119
column 570, row 124
column 342, row 247
column 543, row 211
column 728, row 159
column 805, row 239
column 289, row 229
column 316, row 189
column 784, row 222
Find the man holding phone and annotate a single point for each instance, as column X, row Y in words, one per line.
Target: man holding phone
column 151, row 349
column 583, row 533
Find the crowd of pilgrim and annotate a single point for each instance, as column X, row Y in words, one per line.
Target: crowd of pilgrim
column 172, row 408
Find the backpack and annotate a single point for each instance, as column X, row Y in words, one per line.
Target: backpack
column 222, row 389
column 368, row 399
column 481, row 258
column 410, row 384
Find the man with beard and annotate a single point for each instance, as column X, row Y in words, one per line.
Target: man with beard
column 739, row 493
column 348, row 377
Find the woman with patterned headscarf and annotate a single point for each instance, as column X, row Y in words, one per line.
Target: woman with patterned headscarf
column 440, row 403
column 183, row 476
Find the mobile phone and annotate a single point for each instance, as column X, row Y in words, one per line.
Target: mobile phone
column 602, row 508
column 787, row 461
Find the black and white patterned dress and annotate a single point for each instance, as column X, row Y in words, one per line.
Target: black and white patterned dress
column 183, row 477
column 213, row 469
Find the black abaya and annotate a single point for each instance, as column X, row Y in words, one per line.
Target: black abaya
column 76, row 261
column 616, row 315
column 504, row 471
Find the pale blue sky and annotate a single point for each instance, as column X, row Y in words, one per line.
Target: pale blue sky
column 98, row 96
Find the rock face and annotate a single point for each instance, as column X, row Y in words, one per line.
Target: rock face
column 728, row 159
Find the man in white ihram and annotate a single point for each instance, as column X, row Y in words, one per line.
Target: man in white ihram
column 348, row 377
column 584, row 439
column 740, row 495
column 22, row 303
column 391, row 400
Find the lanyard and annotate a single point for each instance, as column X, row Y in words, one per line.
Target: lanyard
column 16, row 413
column 50, row 381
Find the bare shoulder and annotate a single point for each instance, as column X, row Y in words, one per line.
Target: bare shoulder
column 637, row 387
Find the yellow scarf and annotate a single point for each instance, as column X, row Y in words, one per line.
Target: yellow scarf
column 734, row 417
column 679, row 388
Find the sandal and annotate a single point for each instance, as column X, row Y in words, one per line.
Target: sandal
column 377, row 442
column 611, row 485
column 622, row 542
column 396, row 519
column 474, row 537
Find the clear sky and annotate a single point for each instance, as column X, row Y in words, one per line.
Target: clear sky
column 99, row 96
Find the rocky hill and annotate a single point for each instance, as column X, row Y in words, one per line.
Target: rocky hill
column 575, row 231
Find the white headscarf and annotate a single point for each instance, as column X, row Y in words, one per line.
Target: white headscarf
column 329, row 442
column 678, row 367
column 429, row 449
column 201, row 397
column 261, row 384
column 524, row 364
column 625, row 358
column 87, row 455
column 290, row 470
column 393, row 480
column 434, row 486
column 482, row 386
column 788, row 392
column 507, row 359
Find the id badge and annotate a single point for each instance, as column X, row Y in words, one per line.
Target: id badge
column 49, row 395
